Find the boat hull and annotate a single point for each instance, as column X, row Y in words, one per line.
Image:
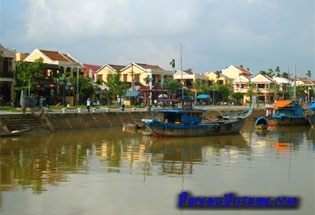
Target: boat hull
column 14, row 133
column 288, row 121
column 311, row 119
column 164, row 129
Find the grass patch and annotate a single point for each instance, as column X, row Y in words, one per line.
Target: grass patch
column 9, row 108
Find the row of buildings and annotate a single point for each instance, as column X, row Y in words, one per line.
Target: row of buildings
column 138, row 75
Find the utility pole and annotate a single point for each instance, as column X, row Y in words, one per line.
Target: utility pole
column 132, row 79
column 294, row 86
column 181, row 69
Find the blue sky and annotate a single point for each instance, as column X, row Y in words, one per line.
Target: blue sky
column 258, row 34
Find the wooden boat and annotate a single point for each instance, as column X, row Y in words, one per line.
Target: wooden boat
column 189, row 122
column 286, row 112
column 261, row 123
column 310, row 114
column 13, row 133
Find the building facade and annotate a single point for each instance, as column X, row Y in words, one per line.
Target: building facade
column 7, row 73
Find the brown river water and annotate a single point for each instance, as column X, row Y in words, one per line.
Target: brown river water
column 111, row 171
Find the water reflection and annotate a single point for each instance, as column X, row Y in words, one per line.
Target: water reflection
column 177, row 156
column 33, row 161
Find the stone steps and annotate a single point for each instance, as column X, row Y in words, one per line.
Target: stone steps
column 21, row 121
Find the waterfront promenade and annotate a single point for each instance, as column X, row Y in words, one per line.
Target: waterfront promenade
column 210, row 108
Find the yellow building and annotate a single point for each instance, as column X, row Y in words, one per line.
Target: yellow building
column 186, row 78
column 104, row 71
column 56, row 62
column 218, row 79
column 264, row 87
column 50, row 84
column 234, row 72
column 139, row 74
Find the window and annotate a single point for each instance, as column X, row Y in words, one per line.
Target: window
column 137, row 78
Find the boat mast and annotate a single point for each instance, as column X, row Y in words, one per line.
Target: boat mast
column 294, row 86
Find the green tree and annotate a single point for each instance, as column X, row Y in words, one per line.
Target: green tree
column 116, row 87
column 27, row 73
column 238, row 97
column 277, row 90
column 285, row 75
column 270, row 73
column 262, row 72
column 85, row 87
column 171, row 85
column 223, row 91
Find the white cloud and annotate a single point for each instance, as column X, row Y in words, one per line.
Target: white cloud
column 213, row 32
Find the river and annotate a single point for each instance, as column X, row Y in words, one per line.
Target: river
column 111, row 171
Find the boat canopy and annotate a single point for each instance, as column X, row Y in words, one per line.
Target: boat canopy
column 312, row 105
column 281, row 104
column 261, row 121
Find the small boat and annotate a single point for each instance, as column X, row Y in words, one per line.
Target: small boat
column 286, row 112
column 310, row 114
column 190, row 122
column 261, row 123
column 14, row 132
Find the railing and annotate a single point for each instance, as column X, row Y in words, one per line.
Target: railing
column 8, row 74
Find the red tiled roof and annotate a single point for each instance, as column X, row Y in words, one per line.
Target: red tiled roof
column 267, row 77
column 117, row 67
column 69, row 58
column 92, row 67
column 244, row 71
column 54, row 55
column 147, row 66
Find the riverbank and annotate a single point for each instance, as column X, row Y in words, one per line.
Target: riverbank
column 74, row 119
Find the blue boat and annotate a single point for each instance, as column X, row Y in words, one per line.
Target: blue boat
column 261, row 123
column 190, row 122
column 310, row 114
column 286, row 112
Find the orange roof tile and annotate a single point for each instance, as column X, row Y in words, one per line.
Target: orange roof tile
column 54, row 55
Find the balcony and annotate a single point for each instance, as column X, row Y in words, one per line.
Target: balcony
column 241, row 90
column 8, row 74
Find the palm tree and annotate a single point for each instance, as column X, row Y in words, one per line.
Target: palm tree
column 172, row 63
column 309, row 74
column 218, row 73
column 278, row 71
column 270, row 73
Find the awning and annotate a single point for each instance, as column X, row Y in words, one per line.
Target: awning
column 312, row 105
column 281, row 104
column 131, row 94
column 203, row 96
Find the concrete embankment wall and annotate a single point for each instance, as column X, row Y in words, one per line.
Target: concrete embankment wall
column 69, row 121
column 74, row 121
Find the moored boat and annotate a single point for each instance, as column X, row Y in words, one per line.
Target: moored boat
column 261, row 123
column 13, row 133
column 287, row 113
column 310, row 114
column 190, row 122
